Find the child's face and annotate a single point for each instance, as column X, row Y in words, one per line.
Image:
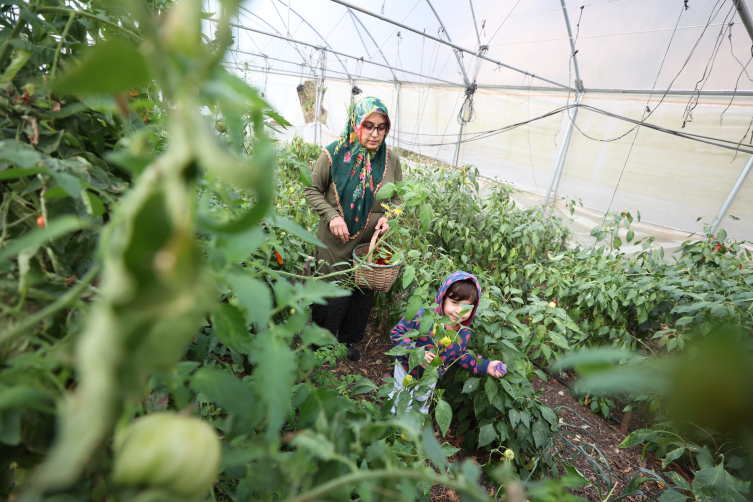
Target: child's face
column 451, row 309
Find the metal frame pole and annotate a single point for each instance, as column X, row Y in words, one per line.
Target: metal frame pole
column 283, row 37
column 475, row 25
column 742, row 10
column 732, row 194
column 457, row 56
column 316, row 112
column 397, row 120
column 450, row 44
column 578, row 81
column 559, row 165
column 379, row 49
column 275, row 29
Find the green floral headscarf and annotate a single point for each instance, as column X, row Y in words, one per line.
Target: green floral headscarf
column 357, row 173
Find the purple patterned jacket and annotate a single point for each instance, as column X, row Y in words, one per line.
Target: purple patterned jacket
column 455, row 351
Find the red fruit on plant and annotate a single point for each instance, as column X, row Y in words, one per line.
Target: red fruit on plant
column 279, row 258
column 40, row 220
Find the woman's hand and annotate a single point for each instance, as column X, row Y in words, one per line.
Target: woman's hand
column 339, row 228
column 493, row 371
column 428, row 358
column 382, row 226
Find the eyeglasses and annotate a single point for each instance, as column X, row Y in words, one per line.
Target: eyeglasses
column 368, row 127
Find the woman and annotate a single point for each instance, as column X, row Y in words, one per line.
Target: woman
column 346, row 179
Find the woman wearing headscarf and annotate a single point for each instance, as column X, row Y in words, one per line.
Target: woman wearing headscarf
column 346, row 180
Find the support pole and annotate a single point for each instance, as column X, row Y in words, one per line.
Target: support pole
column 283, row 37
column 475, row 25
column 397, row 121
column 379, row 49
column 561, row 156
column 578, row 81
column 742, row 10
column 454, row 46
column 732, row 194
column 457, row 55
column 316, row 112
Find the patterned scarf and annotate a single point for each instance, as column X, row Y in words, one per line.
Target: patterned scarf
column 357, row 173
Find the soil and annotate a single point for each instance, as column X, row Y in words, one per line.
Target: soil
column 580, row 427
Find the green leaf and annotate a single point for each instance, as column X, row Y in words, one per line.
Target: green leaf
column 558, row 339
column 408, row 275
column 54, row 229
column 230, row 327
column 25, row 397
column 635, row 484
column 313, row 334
column 470, row 385
column 672, row 496
column 514, row 417
column 110, row 67
column 226, row 390
column 722, row 235
column 398, row 350
column 294, row 229
column 20, row 57
column 253, row 296
column 363, row 386
column 714, row 484
column 425, row 216
column 630, row 235
column 304, row 175
column 617, row 242
column 491, row 389
column 273, row 377
column 638, row 437
column 387, row 191
column 94, row 205
column 671, row 457
column 443, row 416
column 414, row 305
column 433, row 449
column 540, row 433
column 486, row 435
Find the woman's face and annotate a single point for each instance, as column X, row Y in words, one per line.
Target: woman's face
column 370, row 136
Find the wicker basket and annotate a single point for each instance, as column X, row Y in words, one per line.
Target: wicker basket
column 376, row 277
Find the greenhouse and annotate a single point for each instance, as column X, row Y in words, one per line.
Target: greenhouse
column 332, row 250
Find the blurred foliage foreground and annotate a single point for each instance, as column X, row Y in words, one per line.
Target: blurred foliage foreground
column 154, row 318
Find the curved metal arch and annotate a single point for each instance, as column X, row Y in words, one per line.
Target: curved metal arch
column 353, row 15
column 324, row 40
column 276, row 31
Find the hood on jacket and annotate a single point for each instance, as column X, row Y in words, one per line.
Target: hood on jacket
column 455, row 277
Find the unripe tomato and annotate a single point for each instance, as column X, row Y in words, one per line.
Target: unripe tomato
column 292, row 311
column 170, row 451
column 407, row 380
column 404, row 436
column 509, row 454
column 40, row 220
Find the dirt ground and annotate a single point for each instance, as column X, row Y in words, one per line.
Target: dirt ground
column 580, row 427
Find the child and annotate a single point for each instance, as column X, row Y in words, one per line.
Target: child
column 457, row 290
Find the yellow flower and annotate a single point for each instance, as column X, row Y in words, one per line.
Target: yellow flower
column 398, row 211
column 387, row 215
column 552, row 305
column 353, row 137
column 385, row 206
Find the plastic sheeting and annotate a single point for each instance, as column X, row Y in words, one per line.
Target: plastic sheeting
column 672, row 181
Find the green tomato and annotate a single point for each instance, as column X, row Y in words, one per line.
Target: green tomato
column 509, row 454
column 170, row 451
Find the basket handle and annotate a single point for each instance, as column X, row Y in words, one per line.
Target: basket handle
column 374, row 240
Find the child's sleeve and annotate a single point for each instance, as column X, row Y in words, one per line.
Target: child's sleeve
column 398, row 332
column 459, row 353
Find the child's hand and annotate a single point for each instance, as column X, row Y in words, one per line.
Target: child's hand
column 428, row 358
column 493, row 371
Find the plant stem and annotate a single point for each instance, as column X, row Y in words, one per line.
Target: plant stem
column 61, row 10
column 60, row 44
column 361, row 476
column 8, row 48
column 50, row 309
